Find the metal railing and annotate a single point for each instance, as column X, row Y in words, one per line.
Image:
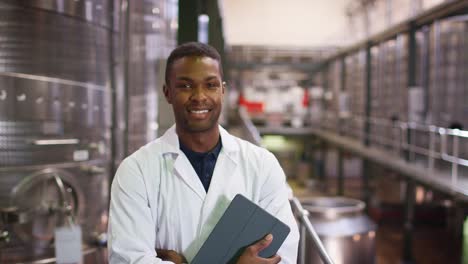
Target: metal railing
column 307, row 229
column 431, row 143
column 251, row 134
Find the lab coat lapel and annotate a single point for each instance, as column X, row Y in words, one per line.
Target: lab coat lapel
column 182, row 166
column 223, row 177
column 223, row 173
column 185, row 170
column 216, row 200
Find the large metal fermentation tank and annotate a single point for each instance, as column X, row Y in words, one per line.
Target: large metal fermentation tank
column 332, row 95
column 55, row 122
column 347, row 234
column 389, row 90
column 448, row 78
column 355, row 88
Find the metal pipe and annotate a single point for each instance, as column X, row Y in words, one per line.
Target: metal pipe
column 302, row 244
column 66, row 206
column 54, row 80
column 340, row 173
column 408, row 224
column 455, row 164
column 431, row 150
column 56, row 141
column 86, row 252
column 63, row 165
column 304, row 218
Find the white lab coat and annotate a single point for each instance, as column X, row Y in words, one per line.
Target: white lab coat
column 158, row 201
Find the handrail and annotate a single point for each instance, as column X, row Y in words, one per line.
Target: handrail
column 404, row 139
column 306, row 227
column 413, row 126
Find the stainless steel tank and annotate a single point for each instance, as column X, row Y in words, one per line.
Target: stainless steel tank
column 355, row 88
column 447, row 76
column 347, row 234
column 79, row 83
column 55, row 123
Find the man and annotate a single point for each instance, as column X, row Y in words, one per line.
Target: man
column 170, row 194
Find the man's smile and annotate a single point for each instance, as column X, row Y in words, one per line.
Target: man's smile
column 199, row 111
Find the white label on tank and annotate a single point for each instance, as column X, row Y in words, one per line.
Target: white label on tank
column 343, row 105
column 61, row 6
column 416, row 104
column 80, row 155
column 3, row 95
column 68, row 244
column 89, row 10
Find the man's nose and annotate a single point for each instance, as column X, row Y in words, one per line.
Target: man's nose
column 198, row 93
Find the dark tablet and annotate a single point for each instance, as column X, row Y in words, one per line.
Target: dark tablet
column 242, row 224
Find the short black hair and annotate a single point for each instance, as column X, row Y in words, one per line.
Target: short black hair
column 192, row 49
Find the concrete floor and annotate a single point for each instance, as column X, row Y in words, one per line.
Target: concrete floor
column 432, row 243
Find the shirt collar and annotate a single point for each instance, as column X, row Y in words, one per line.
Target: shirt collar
column 170, row 137
column 215, row 151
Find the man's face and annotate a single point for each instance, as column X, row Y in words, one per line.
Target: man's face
column 196, row 91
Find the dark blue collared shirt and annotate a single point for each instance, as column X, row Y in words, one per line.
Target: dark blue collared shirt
column 203, row 162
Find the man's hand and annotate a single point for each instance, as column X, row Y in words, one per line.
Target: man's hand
column 250, row 255
column 171, row 255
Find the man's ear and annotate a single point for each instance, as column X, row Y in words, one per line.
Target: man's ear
column 167, row 94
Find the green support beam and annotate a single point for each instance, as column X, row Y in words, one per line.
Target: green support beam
column 188, row 20
column 215, row 30
column 189, row 11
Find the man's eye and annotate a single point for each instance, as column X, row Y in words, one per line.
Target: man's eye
column 212, row 85
column 184, row 85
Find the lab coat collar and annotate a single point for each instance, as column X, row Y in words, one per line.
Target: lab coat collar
column 172, row 141
column 226, row 160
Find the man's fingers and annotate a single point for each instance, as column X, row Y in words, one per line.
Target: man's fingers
column 260, row 245
column 162, row 253
column 274, row 260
